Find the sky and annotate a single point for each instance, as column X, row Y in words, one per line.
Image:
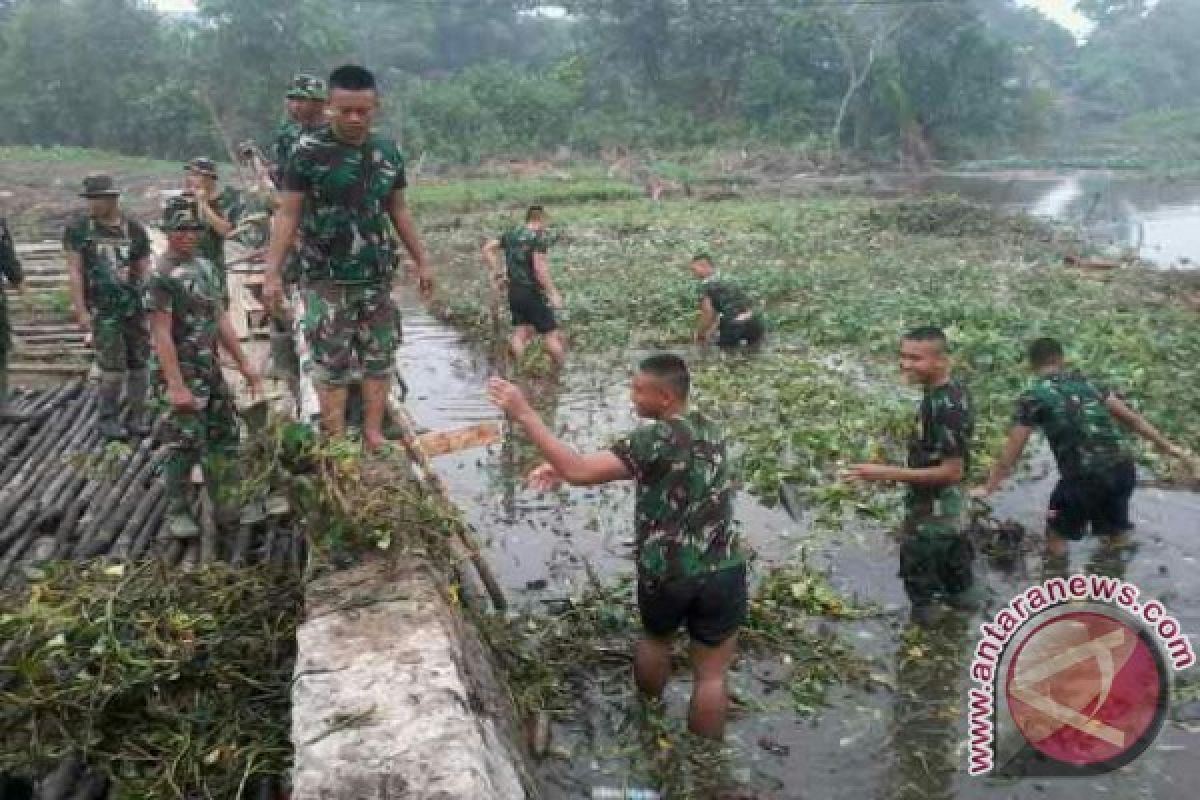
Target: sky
column 1061, row 11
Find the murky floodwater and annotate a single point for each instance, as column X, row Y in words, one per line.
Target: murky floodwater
column 905, row 739
column 1156, row 219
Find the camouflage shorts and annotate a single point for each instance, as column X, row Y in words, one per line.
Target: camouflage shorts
column 122, row 343
column 351, row 331
column 193, row 436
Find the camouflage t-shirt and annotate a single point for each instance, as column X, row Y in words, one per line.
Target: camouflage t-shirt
column 943, row 428
column 109, row 254
column 212, row 245
column 1070, row 410
column 286, row 136
column 519, row 245
column 190, row 292
column 727, row 299
column 684, row 516
column 347, row 195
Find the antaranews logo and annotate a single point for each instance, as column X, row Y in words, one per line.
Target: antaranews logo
column 1072, row 678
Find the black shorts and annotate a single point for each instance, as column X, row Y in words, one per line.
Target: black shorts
column 713, row 605
column 529, row 307
column 749, row 332
column 1099, row 500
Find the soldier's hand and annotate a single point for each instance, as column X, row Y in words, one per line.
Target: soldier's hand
column 555, row 299
column 254, row 382
column 545, row 478
column 507, row 397
column 425, row 282
column 181, row 398
column 867, row 472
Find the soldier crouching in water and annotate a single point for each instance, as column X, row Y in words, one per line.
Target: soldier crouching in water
column 188, row 321
column 108, row 256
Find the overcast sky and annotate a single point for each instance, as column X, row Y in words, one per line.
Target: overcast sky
column 1062, row 11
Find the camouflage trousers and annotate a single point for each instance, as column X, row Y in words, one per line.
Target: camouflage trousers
column 207, row 436
column 935, row 554
column 351, row 331
column 122, row 342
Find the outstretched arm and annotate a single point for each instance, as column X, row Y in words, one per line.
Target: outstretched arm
column 1140, row 425
column 1014, row 446
column 948, row 473
column 575, row 468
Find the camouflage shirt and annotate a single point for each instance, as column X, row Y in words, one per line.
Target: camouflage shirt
column 190, row 292
column 727, row 300
column 109, row 254
column 943, row 428
column 1070, row 410
column 212, row 245
column 286, row 136
column 519, row 245
column 684, row 515
column 347, row 195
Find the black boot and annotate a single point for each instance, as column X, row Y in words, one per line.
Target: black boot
column 136, row 385
column 109, row 393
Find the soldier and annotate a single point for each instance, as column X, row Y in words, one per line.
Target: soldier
column 935, row 555
column 200, row 179
column 108, row 258
column 189, row 322
column 690, row 565
column 1082, row 421
column 305, row 100
column 10, row 268
column 725, row 306
column 341, row 186
column 532, row 296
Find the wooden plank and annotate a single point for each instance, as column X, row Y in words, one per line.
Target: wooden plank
column 34, row 368
column 440, row 443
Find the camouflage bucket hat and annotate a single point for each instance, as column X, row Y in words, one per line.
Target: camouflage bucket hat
column 99, row 184
column 306, row 87
column 181, row 214
column 202, row 166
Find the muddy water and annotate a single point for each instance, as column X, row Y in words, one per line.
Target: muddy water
column 904, row 739
column 1156, row 219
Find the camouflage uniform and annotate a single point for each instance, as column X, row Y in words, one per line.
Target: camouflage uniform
column 113, row 293
column 730, row 303
column 935, row 555
column 1096, row 466
column 690, row 562
column 526, row 298
column 285, row 138
column 347, row 257
column 190, row 291
column 10, row 268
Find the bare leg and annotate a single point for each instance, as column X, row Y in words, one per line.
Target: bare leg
column 710, row 697
column 375, row 391
column 333, row 409
column 652, row 666
column 520, row 340
column 556, row 346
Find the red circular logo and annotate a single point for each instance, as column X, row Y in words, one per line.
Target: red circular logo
column 1086, row 689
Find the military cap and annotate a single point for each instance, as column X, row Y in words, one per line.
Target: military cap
column 202, row 166
column 99, row 184
column 180, row 213
column 306, row 87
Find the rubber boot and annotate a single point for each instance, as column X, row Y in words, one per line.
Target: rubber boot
column 136, row 385
column 109, row 391
column 181, row 523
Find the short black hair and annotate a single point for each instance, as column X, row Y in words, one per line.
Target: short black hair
column 1045, row 351
column 352, row 78
column 534, row 211
column 671, row 370
column 928, row 333
column 702, row 256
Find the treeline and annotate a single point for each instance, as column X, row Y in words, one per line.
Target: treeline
column 466, row 79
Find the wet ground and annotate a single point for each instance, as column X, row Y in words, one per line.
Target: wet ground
column 906, row 738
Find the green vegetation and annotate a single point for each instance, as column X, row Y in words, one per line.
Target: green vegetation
column 841, row 279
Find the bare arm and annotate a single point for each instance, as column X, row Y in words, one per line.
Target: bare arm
column 1139, row 425
column 168, row 359
column 78, row 302
column 541, row 271
column 220, row 225
column 228, row 338
column 707, row 319
column 491, row 258
column 407, row 230
column 1014, row 446
column 948, row 473
column 284, row 225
